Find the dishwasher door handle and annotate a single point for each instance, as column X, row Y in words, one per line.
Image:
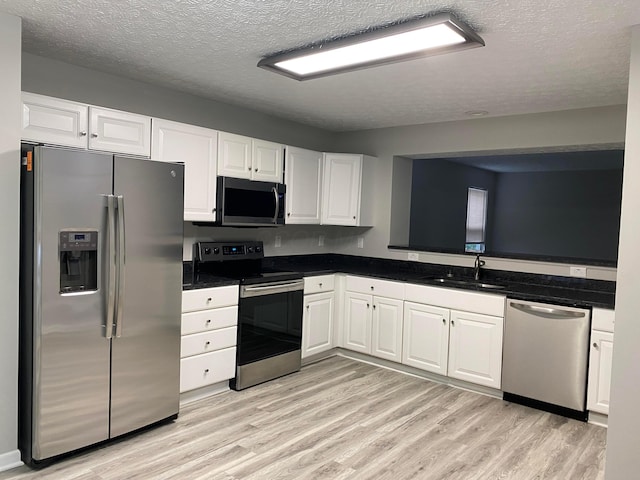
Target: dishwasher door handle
column 546, row 312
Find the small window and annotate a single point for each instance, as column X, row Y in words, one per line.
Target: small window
column 476, row 220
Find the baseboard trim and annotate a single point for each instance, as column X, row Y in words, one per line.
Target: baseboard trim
column 203, row 392
column 10, row 460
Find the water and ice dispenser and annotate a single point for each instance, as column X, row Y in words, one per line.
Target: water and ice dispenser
column 78, row 252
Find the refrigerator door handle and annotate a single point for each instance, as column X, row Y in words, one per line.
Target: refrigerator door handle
column 111, row 265
column 121, row 265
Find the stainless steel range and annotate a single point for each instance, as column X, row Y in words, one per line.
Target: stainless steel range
column 269, row 310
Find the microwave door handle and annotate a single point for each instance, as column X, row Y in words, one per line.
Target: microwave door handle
column 277, row 197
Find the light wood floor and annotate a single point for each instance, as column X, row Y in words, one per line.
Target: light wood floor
column 342, row 419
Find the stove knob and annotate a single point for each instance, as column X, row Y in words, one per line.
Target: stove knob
column 207, row 251
column 250, row 249
column 216, row 250
column 258, row 249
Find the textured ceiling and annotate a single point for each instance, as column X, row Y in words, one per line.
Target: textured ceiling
column 539, row 56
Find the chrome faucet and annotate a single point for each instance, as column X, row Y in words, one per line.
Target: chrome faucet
column 476, row 268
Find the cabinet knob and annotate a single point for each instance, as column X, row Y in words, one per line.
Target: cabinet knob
column 207, row 344
column 374, row 306
column 83, row 134
column 208, row 322
column 213, row 210
column 595, row 345
column 354, row 217
column 371, row 287
column 255, row 169
column 367, row 305
column 209, row 299
column 452, row 323
column 249, row 168
column 206, row 370
column 94, row 135
column 307, row 307
column 444, row 321
column 289, row 214
column 320, row 284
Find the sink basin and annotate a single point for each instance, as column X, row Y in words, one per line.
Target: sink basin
column 466, row 283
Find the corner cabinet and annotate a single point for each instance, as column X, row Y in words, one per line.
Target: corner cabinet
column 61, row 122
column 250, row 158
column 197, row 148
column 600, row 360
column 303, row 177
column 347, row 193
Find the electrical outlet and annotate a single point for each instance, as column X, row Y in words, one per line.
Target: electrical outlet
column 578, row 272
column 321, row 240
column 414, row 256
column 278, row 242
column 360, row 242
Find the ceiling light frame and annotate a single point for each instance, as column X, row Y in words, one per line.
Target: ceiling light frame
column 470, row 40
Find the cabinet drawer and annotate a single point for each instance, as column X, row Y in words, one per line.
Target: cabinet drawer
column 319, row 284
column 603, row 319
column 374, row 286
column 206, row 320
column 201, row 370
column 205, row 342
column 456, row 299
column 205, row 298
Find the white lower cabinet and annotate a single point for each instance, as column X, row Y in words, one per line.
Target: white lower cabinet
column 386, row 329
column 357, row 322
column 475, row 348
column 600, row 361
column 317, row 323
column 426, row 337
column 209, row 336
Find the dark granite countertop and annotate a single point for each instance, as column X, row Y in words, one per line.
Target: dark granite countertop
column 567, row 291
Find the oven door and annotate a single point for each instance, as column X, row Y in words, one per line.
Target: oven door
column 269, row 320
column 244, row 202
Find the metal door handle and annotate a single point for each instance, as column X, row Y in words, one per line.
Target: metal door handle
column 121, row 265
column 275, row 193
column 546, row 312
column 112, row 265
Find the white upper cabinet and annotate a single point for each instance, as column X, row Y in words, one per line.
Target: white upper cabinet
column 347, row 190
column 54, row 121
column 61, row 122
column 245, row 157
column 303, row 177
column 196, row 147
column 121, row 132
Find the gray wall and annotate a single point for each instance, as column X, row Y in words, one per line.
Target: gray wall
column 602, row 128
column 10, row 44
column 439, row 202
column 567, row 214
column 623, row 461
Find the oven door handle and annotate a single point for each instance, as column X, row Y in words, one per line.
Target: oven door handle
column 270, row 288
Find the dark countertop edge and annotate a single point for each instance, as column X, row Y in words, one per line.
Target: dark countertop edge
column 210, row 283
column 514, row 256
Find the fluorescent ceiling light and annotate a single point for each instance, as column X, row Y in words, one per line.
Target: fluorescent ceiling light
column 406, row 41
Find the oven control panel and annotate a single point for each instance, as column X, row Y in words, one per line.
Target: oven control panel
column 224, row 251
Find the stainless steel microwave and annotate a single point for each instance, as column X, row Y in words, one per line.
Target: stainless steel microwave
column 246, row 203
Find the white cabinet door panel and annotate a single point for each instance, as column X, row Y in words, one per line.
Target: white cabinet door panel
column 54, row 121
column 426, row 337
column 475, row 348
column 341, row 189
column 197, row 148
column 386, row 336
column 304, row 185
column 120, row 132
column 317, row 324
column 600, row 362
column 234, row 155
column 266, row 161
column 357, row 322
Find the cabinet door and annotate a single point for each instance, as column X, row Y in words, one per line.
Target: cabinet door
column 266, row 160
column 234, row 155
column 196, row 147
column 600, row 371
column 386, row 334
column 303, row 171
column 317, row 324
column 357, row 322
column 54, row 121
column 341, row 189
column 475, row 348
column 120, row 132
column 426, row 337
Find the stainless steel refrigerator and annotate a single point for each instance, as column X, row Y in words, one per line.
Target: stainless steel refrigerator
column 101, row 286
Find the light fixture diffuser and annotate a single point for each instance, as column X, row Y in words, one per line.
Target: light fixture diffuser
column 407, row 41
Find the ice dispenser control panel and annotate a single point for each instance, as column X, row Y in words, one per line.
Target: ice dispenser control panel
column 78, row 252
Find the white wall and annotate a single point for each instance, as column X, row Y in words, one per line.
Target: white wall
column 10, row 46
column 554, row 131
column 623, row 460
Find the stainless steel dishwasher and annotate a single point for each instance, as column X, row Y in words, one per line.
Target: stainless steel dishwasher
column 545, row 357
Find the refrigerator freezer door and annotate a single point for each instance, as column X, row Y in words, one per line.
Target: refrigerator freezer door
column 146, row 348
column 70, row 381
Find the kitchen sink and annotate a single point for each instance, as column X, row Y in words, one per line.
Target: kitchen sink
column 465, row 283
